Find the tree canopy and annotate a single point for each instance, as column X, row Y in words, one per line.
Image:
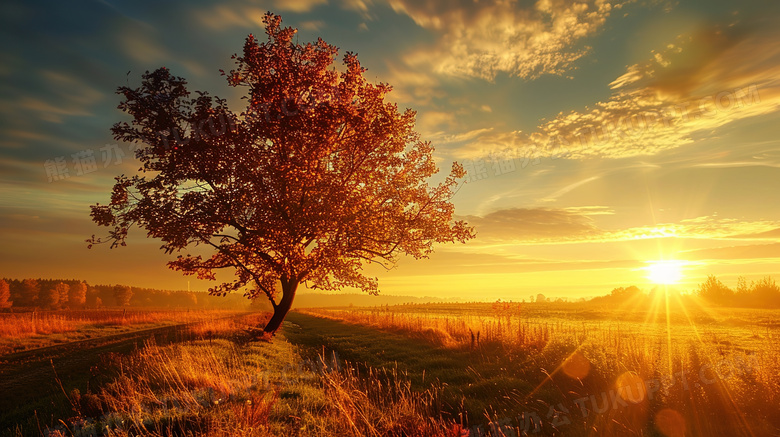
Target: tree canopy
column 315, row 178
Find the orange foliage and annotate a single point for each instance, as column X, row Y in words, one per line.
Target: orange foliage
column 317, row 176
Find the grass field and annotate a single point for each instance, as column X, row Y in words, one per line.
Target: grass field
column 36, row 329
column 678, row 368
column 210, row 380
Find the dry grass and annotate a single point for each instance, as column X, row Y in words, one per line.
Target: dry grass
column 382, row 403
column 718, row 380
column 55, row 322
column 23, row 331
column 223, row 385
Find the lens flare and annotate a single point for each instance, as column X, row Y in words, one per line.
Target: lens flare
column 670, row 423
column 576, row 366
column 631, row 387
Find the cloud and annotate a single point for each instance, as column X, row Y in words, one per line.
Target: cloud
column 445, row 262
column 360, row 6
column 51, row 112
column 683, row 93
column 17, row 138
column 411, row 85
column 299, row 6
column 534, row 224
column 706, row 227
column 577, row 225
column 434, row 124
column 483, row 39
column 755, row 251
column 138, row 42
column 73, row 89
column 554, row 196
column 686, row 92
column 63, row 95
column 510, row 144
column 312, row 25
column 227, row 16
column 761, row 235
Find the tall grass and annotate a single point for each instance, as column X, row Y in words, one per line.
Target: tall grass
column 224, row 385
column 380, row 402
column 714, row 380
column 54, row 322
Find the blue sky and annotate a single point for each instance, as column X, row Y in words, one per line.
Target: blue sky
column 600, row 135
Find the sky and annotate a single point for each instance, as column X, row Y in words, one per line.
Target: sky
column 601, row 137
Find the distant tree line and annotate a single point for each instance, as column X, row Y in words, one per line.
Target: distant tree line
column 622, row 294
column 762, row 293
column 57, row 294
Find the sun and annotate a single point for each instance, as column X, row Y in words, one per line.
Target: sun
column 665, row 272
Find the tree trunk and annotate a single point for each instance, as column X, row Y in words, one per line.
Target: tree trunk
column 281, row 310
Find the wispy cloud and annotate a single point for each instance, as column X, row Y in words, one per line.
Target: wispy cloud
column 533, row 224
column 297, row 5
column 360, row 6
column 684, row 92
column 226, row 16
column 312, row 25
column 484, row 39
column 250, row 16
column 554, row 196
column 577, row 225
column 67, row 96
column 139, row 43
column 445, row 262
column 754, row 251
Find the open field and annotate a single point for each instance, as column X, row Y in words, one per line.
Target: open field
column 576, row 369
column 82, row 364
column 303, row 217
column 35, row 329
column 414, row 370
column 210, row 381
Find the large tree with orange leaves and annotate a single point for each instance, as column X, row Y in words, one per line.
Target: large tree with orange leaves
column 317, row 177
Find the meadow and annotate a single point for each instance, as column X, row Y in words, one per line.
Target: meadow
column 216, row 379
column 22, row 331
column 673, row 366
column 666, row 367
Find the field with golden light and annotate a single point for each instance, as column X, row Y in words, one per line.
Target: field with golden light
column 662, row 365
column 658, row 365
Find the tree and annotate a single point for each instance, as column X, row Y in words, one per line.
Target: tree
column 122, row 295
column 315, row 179
column 5, row 294
column 625, row 293
column 63, row 290
column 714, row 290
column 77, row 295
column 742, row 288
column 766, row 292
column 50, row 297
column 540, row 298
column 28, row 294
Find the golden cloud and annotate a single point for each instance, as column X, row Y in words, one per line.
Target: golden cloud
column 483, row 39
column 576, row 225
column 684, row 92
